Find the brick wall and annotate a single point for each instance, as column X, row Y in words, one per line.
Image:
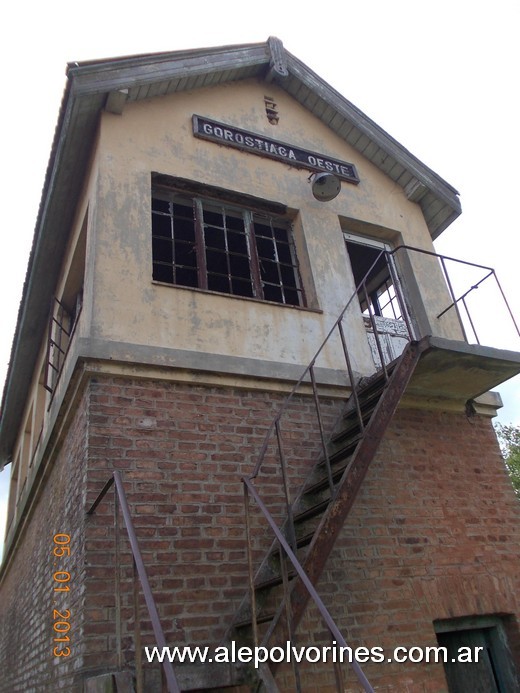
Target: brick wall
column 434, row 533
column 27, row 596
column 182, row 450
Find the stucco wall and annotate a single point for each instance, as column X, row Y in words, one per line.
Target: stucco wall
column 157, row 136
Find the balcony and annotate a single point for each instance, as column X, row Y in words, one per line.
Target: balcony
column 408, row 294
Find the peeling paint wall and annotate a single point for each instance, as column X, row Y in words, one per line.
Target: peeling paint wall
column 128, row 317
column 157, row 136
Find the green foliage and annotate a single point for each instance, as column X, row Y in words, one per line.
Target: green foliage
column 509, row 439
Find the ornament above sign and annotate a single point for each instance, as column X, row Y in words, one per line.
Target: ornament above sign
column 263, row 146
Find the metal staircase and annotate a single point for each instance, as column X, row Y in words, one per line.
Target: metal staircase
column 278, row 597
column 284, row 584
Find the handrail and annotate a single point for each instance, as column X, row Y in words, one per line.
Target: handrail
column 311, row 365
column 333, row 629
column 337, row 325
column 308, row 375
column 455, row 301
column 171, row 681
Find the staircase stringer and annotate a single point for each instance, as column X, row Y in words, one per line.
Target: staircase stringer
column 334, row 517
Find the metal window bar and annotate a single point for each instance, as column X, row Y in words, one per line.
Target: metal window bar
column 140, row 572
column 329, row 622
column 296, row 267
column 275, row 260
column 390, row 302
column 55, row 352
column 54, row 364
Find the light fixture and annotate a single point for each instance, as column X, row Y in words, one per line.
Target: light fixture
column 325, row 186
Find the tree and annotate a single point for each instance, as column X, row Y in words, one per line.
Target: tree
column 509, row 439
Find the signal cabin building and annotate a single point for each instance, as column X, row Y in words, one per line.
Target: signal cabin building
column 233, row 293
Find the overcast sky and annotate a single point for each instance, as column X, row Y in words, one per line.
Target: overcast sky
column 441, row 78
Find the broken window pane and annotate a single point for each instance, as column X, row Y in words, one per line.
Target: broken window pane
column 209, row 245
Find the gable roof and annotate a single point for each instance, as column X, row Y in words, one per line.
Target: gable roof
column 111, row 83
column 94, row 86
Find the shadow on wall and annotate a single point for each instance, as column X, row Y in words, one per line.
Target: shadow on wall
column 4, row 493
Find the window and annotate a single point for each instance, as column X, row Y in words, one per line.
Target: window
column 220, row 247
column 66, row 308
column 62, row 323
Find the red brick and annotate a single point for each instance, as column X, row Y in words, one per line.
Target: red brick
column 432, row 524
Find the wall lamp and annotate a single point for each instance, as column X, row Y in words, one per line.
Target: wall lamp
column 325, row 186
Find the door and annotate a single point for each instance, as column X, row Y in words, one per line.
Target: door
column 380, row 297
column 489, row 670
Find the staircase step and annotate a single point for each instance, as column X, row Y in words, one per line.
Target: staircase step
column 274, row 580
column 312, row 511
column 368, row 401
column 323, row 482
column 373, row 388
column 368, row 398
column 350, row 429
column 371, row 381
column 305, row 540
column 262, row 618
column 342, row 449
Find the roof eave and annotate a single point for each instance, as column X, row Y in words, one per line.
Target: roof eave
column 89, row 86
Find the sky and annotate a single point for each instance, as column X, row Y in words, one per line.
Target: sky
column 441, row 78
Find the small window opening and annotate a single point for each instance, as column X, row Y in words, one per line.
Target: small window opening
column 65, row 311
column 13, row 492
column 271, row 110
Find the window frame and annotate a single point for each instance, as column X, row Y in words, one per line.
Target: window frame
column 286, row 290
column 383, row 283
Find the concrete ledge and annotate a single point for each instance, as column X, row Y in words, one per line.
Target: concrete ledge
column 455, row 370
column 140, row 354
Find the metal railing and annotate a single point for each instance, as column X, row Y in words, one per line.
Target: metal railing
column 286, row 536
column 287, row 544
column 461, row 299
column 139, row 571
column 308, row 375
column 337, row 638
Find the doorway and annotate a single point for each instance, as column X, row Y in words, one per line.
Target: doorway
column 376, row 277
column 478, row 657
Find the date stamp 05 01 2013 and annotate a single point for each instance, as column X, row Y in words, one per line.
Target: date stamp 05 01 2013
column 61, row 579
